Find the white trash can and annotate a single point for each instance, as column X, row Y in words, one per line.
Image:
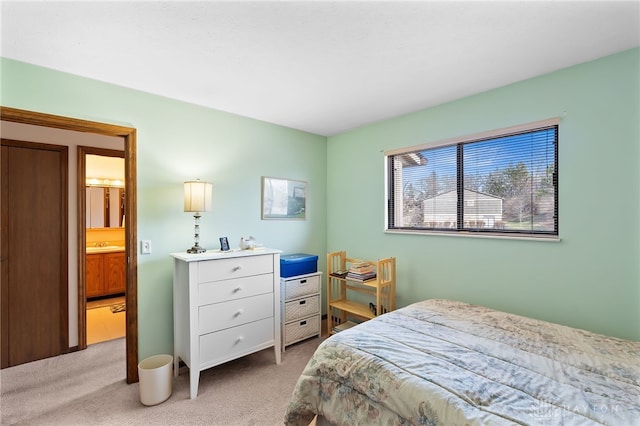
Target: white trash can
column 155, row 374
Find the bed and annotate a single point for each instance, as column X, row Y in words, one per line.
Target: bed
column 443, row 362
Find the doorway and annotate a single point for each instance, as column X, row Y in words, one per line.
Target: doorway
column 101, row 196
column 129, row 136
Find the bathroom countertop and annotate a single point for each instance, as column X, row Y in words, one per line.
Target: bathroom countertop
column 105, row 249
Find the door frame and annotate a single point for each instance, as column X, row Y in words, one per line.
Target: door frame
column 129, row 134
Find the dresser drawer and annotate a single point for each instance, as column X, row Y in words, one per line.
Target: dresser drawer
column 222, row 291
column 301, row 308
column 301, row 287
column 219, row 316
column 225, row 345
column 236, row 267
column 301, row 329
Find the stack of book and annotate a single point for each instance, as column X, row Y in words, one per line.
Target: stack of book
column 361, row 271
column 340, row 273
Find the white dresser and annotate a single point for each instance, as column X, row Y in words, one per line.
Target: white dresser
column 225, row 306
column 300, row 303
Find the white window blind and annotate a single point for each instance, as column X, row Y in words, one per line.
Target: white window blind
column 500, row 182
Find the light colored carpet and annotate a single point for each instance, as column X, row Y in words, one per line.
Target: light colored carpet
column 89, row 388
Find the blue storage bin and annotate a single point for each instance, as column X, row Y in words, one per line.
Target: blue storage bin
column 298, row 264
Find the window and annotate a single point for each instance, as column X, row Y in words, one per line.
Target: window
column 503, row 182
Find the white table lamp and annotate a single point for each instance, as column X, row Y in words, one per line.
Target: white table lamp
column 197, row 199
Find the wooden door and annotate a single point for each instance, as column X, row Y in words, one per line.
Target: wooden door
column 34, row 252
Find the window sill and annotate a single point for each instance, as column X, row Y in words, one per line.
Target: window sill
column 468, row 234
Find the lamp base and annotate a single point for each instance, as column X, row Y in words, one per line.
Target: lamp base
column 196, row 250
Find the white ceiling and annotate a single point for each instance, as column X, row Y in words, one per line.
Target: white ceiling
column 319, row 66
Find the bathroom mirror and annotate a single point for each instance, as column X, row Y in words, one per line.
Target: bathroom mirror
column 105, row 207
column 105, row 191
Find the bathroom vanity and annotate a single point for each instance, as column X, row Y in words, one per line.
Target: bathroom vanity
column 105, row 271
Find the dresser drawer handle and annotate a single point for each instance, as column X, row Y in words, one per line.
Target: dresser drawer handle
column 302, row 302
column 237, row 289
column 237, row 268
column 303, row 323
column 239, row 339
column 238, row 313
column 303, row 281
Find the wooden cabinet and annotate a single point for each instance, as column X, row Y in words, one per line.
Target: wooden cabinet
column 349, row 297
column 94, row 273
column 300, row 304
column 225, row 306
column 105, row 274
column 114, row 272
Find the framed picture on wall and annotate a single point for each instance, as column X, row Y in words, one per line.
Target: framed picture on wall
column 283, row 198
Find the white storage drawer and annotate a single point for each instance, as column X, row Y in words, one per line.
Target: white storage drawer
column 301, row 308
column 301, row 329
column 219, row 316
column 300, row 304
column 225, row 305
column 235, row 267
column 301, row 287
column 220, row 291
column 225, row 345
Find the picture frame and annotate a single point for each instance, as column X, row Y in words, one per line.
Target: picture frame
column 283, row 199
column 224, row 244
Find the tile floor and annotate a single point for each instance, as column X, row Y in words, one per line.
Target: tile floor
column 102, row 324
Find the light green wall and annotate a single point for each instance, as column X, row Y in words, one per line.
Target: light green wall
column 177, row 141
column 590, row 279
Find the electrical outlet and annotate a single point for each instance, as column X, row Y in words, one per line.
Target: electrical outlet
column 145, row 247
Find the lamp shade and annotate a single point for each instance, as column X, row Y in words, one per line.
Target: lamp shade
column 197, row 196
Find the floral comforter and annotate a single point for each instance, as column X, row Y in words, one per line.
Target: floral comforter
column 441, row 362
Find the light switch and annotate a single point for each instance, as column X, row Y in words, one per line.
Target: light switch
column 145, row 247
